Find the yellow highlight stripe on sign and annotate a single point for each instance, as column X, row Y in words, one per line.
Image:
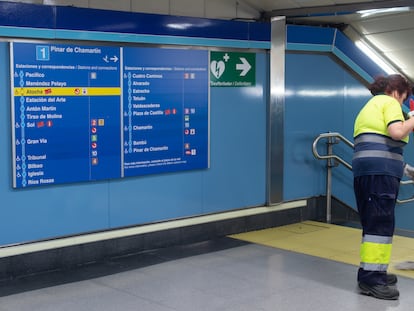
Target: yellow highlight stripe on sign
column 67, row 91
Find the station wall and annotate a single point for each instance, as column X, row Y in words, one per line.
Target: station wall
column 321, row 95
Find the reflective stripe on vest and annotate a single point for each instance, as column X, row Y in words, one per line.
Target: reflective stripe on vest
column 378, row 154
column 372, row 138
column 375, row 252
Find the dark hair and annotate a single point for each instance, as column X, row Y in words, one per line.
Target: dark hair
column 386, row 85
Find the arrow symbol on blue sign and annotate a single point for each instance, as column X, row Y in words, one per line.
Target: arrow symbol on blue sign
column 114, row 59
column 244, row 66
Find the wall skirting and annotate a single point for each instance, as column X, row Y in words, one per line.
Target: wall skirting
column 32, row 258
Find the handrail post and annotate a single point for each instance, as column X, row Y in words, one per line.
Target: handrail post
column 330, row 162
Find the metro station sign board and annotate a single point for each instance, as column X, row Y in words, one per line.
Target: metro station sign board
column 87, row 113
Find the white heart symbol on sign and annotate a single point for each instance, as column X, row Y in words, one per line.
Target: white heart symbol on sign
column 217, row 68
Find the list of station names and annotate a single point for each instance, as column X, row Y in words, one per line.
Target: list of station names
column 165, row 110
column 80, row 115
column 66, row 102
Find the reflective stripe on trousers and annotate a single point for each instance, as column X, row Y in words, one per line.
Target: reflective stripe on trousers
column 375, row 252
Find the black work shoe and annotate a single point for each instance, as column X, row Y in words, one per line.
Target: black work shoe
column 379, row 291
column 391, row 279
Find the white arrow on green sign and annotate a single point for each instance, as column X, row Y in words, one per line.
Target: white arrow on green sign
column 232, row 69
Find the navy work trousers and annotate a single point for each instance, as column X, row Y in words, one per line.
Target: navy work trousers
column 376, row 197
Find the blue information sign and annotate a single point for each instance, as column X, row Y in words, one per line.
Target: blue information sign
column 84, row 113
column 165, row 110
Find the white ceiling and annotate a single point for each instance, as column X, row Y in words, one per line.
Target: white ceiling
column 390, row 33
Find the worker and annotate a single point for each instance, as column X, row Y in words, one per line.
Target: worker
column 380, row 133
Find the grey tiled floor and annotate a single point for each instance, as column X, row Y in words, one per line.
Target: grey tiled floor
column 216, row 275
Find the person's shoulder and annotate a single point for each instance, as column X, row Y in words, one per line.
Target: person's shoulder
column 384, row 99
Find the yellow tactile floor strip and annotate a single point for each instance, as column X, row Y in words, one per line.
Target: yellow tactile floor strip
column 328, row 241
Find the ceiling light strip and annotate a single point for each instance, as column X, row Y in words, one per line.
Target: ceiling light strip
column 375, row 57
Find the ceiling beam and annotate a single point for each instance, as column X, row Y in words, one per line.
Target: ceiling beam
column 338, row 9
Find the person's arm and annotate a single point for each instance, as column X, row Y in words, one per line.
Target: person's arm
column 399, row 130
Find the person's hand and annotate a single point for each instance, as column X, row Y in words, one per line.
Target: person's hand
column 409, row 171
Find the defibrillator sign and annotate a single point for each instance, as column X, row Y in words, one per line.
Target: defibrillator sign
column 232, row 69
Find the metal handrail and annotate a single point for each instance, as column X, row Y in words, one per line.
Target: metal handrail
column 406, row 182
column 332, row 156
column 333, row 138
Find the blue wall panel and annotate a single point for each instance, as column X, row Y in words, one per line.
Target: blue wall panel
column 66, row 18
column 39, row 213
column 314, row 35
column 155, row 198
column 140, row 23
column 348, row 48
column 237, row 174
column 321, row 96
column 236, row 178
column 27, row 15
column 240, row 121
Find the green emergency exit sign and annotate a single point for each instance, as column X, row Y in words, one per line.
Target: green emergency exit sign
column 232, row 69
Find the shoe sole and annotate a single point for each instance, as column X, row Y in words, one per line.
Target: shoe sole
column 369, row 292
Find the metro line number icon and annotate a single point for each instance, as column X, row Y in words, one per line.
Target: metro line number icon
column 42, row 52
column 232, row 69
